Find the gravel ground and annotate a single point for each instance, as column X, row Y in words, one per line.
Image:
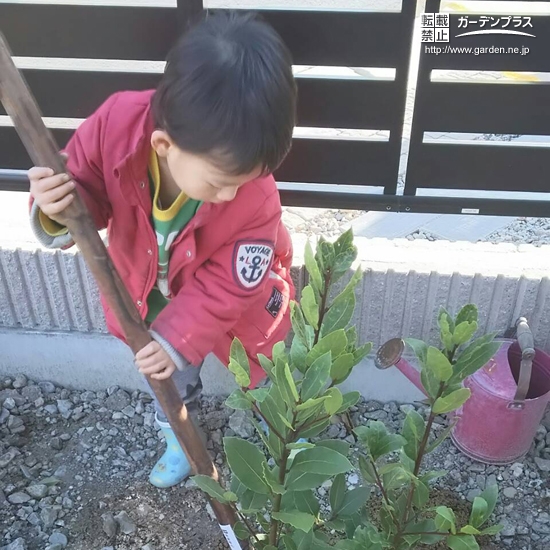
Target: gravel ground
column 74, row 466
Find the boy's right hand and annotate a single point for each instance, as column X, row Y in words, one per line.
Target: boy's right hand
column 52, row 192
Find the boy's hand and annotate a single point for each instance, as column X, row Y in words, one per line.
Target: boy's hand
column 152, row 360
column 52, row 192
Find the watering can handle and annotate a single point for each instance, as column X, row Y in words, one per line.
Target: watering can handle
column 527, row 345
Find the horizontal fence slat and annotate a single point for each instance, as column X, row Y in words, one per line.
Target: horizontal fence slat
column 103, row 32
column 483, row 167
column 110, row 32
column 361, row 104
column 13, row 154
column 485, row 108
column 310, row 160
column 340, row 162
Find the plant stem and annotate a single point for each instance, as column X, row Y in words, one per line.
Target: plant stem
column 274, row 531
column 322, row 309
column 437, row 533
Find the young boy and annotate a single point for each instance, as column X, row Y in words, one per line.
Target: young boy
column 181, row 179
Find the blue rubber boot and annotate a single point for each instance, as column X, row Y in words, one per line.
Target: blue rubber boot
column 172, row 467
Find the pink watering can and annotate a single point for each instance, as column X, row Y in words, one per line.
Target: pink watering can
column 510, row 393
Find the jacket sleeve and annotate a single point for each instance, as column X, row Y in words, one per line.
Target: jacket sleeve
column 86, row 165
column 223, row 288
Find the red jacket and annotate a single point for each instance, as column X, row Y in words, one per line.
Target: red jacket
column 229, row 270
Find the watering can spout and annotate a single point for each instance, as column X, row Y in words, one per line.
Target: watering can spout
column 391, row 354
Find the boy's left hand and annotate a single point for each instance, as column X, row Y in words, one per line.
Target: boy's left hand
column 153, row 361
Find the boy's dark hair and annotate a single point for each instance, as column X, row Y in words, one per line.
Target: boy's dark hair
column 228, row 90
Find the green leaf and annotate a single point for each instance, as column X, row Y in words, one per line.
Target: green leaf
column 337, row 445
column 377, row 440
column 425, row 526
column 311, row 403
column 304, row 541
column 343, row 262
column 211, row 488
column 326, row 251
column 367, row 469
column 360, row 353
column 421, row 494
column 266, row 363
column 240, row 530
column 238, row 400
column 334, row 401
column 420, row 349
column 299, row 446
column 467, row 542
column 335, row 342
column 247, row 464
column 339, row 315
column 237, row 487
column 490, row 495
column 299, row 324
column 230, row 496
column 429, row 382
column 445, row 519
column 275, row 486
column 353, row 501
column 321, row 460
column 298, row 520
column 446, row 328
column 439, row 365
column 238, row 364
column 286, row 422
column 298, row 354
column 313, row 268
column 473, row 358
column 470, row 530
column 413, row 431
column 350, row 399
column 310, row 307
column 303, row 481
column 351, row 335
column 305, row 501
column 259, row 394
column 493, row 530
column 464, row 332
column 468, row 314
column 316, row 377
column 394, row 475
column 273, row 406
column 286, row 384
column 337, row 492
column 451, row 402
column 479, row 511
column 252, row 502
column 315, row 429
column 342, row 367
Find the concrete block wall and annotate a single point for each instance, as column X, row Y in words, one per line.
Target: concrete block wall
column 52, row 325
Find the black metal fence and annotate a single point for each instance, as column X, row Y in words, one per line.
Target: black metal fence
column 346, row 169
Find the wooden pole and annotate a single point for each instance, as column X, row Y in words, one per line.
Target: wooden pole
column 40, row 144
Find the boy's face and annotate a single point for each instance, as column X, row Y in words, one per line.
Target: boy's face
column 196, row 175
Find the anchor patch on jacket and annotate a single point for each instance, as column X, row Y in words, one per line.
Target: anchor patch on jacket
column 251, row 262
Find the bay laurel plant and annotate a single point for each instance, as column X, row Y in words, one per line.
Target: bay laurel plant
column 273, row 487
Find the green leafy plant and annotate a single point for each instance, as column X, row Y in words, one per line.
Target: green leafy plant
column 405, row 519
column 273, row 486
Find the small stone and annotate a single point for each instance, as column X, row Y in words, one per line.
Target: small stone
column 147, row 547
column 117, row 400
column 34, row 519
column 38, row 491
column 353, row 479
column 48, row 515
column 6, row 458
column 543, row 464
column 58, row 538
column 4, row 415
column 510, row 492
column 9, row 403
column 56, row 443
column 19, row 498
column 406, row 409
column 110, row 526
column 32, row 393
column 51, row 409
column 127, row 526
column 138, row 456
column 15, row 423
column 20, row 381
column 61, row 472
column 17, row 544
column 509, row 530
column 472, row 494
column 129, row 411
column 47, row 387
column 65, row 406
column 240, row 423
